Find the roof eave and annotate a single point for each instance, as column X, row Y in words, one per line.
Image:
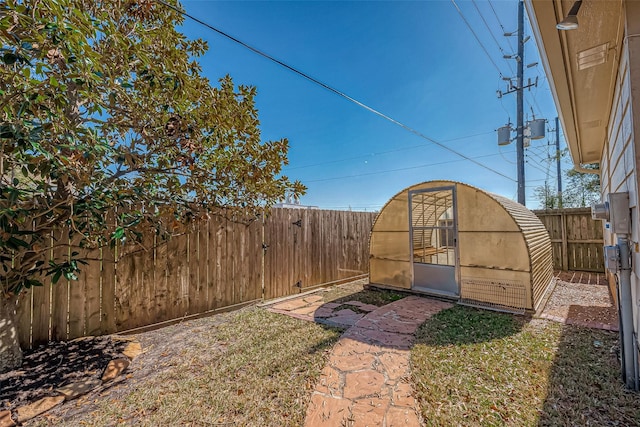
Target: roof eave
column 552, row 57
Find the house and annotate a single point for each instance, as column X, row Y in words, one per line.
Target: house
column 591, row 55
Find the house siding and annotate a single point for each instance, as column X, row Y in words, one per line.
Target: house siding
column 620, row 154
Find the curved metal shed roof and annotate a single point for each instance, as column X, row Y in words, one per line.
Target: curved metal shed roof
column 504, row 251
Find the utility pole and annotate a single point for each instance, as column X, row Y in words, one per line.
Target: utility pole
column 504, row 132
column 519, row 106
column 559, row 169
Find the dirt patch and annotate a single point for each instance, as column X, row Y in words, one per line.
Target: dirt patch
column 54, row 365
column 582, row 298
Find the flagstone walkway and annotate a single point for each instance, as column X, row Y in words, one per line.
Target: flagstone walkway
column 311, row 308
column 366, row 380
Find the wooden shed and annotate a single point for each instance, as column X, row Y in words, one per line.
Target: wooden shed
column 453, row 240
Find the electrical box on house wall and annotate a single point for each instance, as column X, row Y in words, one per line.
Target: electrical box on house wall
column 615, row 211
column 612, row 258
column 600, row 211
column 620, row 218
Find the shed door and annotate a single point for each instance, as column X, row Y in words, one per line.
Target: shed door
column 433, row 231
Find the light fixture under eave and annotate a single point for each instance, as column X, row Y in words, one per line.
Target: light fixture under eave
column 571, row 21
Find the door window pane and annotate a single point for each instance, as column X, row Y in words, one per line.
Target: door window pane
column 433, row 227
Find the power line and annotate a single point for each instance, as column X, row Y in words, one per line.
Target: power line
column 366, row 156
column 476, row 37
column 533, row 164
column 531, row 155
column 336, row 91
column 504, row 158
column 500, row 23
column 538, row 155
column 492, row 35
column 392, row 170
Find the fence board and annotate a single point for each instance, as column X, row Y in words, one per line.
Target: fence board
column 240, row 271
column 177, row 276
column 203, row 264
column 78, row 290
column 197, row 289
column 228, row 284
column 127, row 286
column 108, row 281
column 221, row 263
column 91, row 275
column 162, row 295
column 218, row 264
column 305, row 260
column 269, row 256
column 576, row 238
column 212, row 263
column 23, row 319
column 255, row 259
column 147, row 259
column 60, row 294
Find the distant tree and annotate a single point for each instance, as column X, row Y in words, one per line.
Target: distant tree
column 103, row 106
column 582, row 189
column 547, row 196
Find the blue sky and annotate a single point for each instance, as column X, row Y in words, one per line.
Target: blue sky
column 417, row 62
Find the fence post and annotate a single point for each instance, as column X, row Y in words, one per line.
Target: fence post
column 565, row 255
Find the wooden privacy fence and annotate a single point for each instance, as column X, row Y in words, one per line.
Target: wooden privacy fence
column 576, row 238
column 220, row 264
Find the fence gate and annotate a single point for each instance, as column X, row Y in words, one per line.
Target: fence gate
column 576, row 238
column 433, row 240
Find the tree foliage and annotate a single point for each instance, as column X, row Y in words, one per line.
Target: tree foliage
column 108, row 127
column 580, row 190
column 547, row 196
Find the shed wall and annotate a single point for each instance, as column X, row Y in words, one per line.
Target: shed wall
column 539, row 248
column 504, row 250
column 390, row 258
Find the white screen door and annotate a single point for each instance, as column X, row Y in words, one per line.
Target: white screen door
column 433, row 231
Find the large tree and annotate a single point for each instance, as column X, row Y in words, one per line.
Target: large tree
column 108, row 127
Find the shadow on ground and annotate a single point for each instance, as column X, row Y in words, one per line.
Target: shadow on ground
column 585, row 384
column 464, row 325
column 54, row 365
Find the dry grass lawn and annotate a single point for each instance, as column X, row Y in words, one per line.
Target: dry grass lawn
column 473, row 367
column 252, row 368
column 469, row 367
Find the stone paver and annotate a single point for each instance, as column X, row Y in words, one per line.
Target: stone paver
column 312, row 309
column 308, row 310
column 327, row 411
column 365, row 381
column 5, row 419
column 291, row 304
column 313, row 298
column 38, row 407
column 346, row 320
column 114, row 369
